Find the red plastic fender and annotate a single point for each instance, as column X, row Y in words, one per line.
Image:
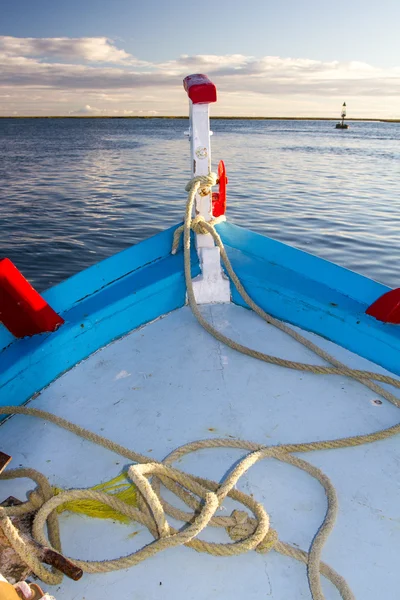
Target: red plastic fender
column 22, row 310
column 219, row 198
column 387, row 307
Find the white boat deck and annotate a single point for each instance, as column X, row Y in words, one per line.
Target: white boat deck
column 170, row 383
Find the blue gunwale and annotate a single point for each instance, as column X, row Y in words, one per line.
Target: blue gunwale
column 144, row 282
column 99, row 305
column 313, row 293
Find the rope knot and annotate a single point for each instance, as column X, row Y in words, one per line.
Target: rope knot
column 245, row 526
column 202, row 181
column 197, row 224
column 36, row 499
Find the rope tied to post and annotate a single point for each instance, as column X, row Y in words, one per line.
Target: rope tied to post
column 198, row 224
column 248, row 529
column 367, row 378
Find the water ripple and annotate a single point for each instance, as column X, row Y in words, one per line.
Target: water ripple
column 77, row 191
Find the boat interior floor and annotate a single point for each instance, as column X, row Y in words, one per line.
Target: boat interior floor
column 169, row 383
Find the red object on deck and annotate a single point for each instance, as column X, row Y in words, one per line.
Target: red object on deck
column 22, row 310
column 200, row 89
column 219, row 198
column 387, row 307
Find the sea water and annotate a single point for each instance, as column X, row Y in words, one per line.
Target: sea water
column 75, row 191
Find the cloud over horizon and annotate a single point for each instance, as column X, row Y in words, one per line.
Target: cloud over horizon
column 92, row 49
column 64, row 76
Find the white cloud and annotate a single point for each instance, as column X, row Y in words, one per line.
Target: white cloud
column 89, row 110
column 57, row 70
column 86, row 110
column 98, row 49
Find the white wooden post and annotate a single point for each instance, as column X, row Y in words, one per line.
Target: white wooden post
column 211, row 286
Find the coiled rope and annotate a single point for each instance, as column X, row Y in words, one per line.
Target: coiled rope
column 247, row 532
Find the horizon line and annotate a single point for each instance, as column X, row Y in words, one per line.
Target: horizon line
column 258, row 118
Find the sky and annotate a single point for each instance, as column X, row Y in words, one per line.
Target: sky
column 267, row 58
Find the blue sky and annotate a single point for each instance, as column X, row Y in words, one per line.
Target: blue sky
column 287, row 57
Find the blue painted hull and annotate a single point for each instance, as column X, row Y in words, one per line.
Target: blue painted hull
column 144, row 282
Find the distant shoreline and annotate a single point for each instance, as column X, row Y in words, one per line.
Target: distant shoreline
column 186, row 117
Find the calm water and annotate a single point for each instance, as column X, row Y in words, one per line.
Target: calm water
column 76, row 191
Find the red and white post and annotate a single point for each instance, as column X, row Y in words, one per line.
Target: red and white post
column 211, row 286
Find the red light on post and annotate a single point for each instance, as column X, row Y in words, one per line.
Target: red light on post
column 200, row 89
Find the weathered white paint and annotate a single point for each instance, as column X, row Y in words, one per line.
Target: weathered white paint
column 211, row 285
column 200, row 152
column 183, row 385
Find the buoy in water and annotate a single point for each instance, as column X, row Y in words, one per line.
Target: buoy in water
column 342, row 125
